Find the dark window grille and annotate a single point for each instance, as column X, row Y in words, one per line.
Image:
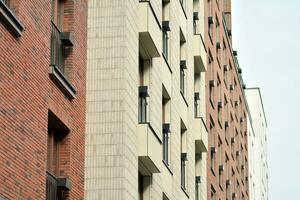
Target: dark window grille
column 51, row 187
column 57, row 49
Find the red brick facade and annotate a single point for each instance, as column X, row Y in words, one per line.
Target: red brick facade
column 226, row 109
column 29, row 97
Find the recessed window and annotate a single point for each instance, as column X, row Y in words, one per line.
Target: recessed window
column 143, row 93
column 166, row 114
column 57, row 149
column 165, row 29
column 184, row 159
column 183, row 65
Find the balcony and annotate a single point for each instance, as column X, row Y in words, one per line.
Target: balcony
column 201, row 135
column 150, row 150
column 149, row 31
column 200, row 53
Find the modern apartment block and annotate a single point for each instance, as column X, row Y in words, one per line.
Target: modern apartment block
column 146, row 134
column 258, row 164
column 227, row 161
column 42, row 99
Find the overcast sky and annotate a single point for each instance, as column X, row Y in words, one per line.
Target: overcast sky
column 266, row 34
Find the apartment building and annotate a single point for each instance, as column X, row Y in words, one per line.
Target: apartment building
column 42, row 99
column 146, row 135
column 227, row 163
column 258, row 164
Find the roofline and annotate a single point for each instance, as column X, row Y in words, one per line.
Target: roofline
column 261, row 101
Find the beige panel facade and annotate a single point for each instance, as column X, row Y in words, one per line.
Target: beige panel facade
column 146, row 135
column 258, row 168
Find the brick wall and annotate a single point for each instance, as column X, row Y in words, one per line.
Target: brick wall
column 27, row 94
column 216, row 69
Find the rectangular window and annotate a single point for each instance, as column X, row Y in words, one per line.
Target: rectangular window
column 182, row 77
column 165, row 44
column 210, row 20
column 52, row 165
column 183, row 149
column 183, row 66
column 57, row 47
column 166, row 113
column 197, row 93
column 221, row 166
column 143, row 104
column 213, row 149
column 143, row 94
column 56, row 159
column 212, row 193
column 165, row 28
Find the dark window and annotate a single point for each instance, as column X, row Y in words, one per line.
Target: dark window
column 182, row 77
column 183, row 144
column 166, row 147
column 143, row 104
column 165, row 44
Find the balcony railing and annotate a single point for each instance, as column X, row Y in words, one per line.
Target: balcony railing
column 51, row 187
column 57, row 48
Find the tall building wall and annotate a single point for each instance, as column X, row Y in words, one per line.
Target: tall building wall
column 41, row 99
column 111, row 162
column 227, row 163
column 260, row 161
column 127, row 64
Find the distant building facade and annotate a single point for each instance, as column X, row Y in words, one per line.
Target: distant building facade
column 258, row 137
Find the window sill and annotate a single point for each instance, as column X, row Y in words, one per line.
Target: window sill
column 183, row 10
column 184, row 99
column 220, row 186
column 212, row 171
column 220, row 124
column 184, row 191
column 61, row 80
column 167, row 62
column 211, row 103
column 10, row 20
column 226, row 140
column 211, row 38
column 168, row 167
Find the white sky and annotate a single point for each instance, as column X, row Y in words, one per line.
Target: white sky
column 266, row 34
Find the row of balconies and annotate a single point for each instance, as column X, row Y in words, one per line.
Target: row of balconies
column 149, row 142
column 150, row 45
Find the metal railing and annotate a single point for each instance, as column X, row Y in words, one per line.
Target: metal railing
column 57, row 48
column 51, row 187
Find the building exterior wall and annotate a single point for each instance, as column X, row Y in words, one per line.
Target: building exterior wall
column 251, row 156
column 259, row 138
column 226, row 108
column 119, row 149
column 28, row 94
